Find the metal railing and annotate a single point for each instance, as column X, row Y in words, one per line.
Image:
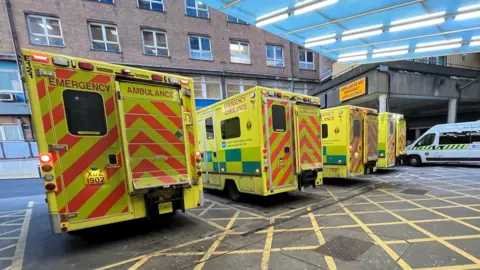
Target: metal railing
column 18, row 150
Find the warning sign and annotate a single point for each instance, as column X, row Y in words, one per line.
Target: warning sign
column 353, row 89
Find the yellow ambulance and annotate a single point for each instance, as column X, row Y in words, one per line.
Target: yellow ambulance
column 115, row 143
column 350, row 139
column 262, row 141
column 392, row 139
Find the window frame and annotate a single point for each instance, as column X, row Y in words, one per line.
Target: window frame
column 196, row 8
column 306, row 63
column 45, row 35
column 241, row 83
column 100, row 1
column 240, row 56
column 11, row 91
column 274, row 59
column 222, row 128
column 357, row 127
column 201, row 51
column 3, row 136
column 150, row 4
column 155, row 46
column 237, row 20
column 213, row 129
column 104, row 36
column 284, row 119
column 203, row 87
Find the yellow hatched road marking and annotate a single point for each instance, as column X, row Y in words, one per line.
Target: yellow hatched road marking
column 206, row 221
column 455, row 267
column 238, row 209
column 268, row 246
column 321, row 240
column 206, row 209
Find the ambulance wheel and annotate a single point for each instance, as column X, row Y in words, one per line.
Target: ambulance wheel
column 232, row 191
column 414, row 161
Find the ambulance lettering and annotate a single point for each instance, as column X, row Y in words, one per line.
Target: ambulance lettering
column 152, row 92
column 235, row 106
column 79, row 85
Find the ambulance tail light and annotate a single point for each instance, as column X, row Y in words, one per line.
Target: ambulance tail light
column 305, row 99
column 351, row 147
column 85, row 66
column 198, row 156
column 50, row 186
column 40, row 58
column 156, row 77
column 199, row 173
column 279, row 95
column 265, row 168
column 45, row 158
column 184, row 82
column 47, row 168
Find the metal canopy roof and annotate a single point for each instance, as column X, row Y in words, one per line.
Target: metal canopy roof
column 362, row 31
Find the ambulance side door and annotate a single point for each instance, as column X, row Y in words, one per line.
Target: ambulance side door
column 210, row 150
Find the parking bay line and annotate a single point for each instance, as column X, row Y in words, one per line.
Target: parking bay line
column 17, row 262
column 321, row 240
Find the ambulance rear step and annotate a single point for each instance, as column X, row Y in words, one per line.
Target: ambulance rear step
column 152, row 201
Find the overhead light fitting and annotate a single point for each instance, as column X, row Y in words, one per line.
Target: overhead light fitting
column 320, row 38
column 320, row 42
column 390, row 49
column 362, row 35
column 352, row 54
column 468, row 15
column 353, row 58
column 475, row 43
column 385, row 54
column 469, row 8
column 272, row 17
column 428, row 44
column 310, row 7
column 438, row 48
column 418, row 18
column 476, row 38
column 417, row 24
column 363, row 29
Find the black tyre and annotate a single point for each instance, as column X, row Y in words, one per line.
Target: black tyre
column 232, row 191
column 414, row 161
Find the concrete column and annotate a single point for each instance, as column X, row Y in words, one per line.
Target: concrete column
column 452, row 110
column 417, row 133
column 382, row 103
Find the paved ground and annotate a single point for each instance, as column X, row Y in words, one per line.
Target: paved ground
column 402, row 218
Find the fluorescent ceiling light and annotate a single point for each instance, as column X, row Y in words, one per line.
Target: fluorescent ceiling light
column 418, row 18
column 272, row 20
column 304, row 3
column 475, row 43
column 353, row 58
column 469, row 15
column 352, row 54
column 390, row 49
column 362, row 29
column 417, row 25
column 321, row 42
column 314, row 6
column 437, row 48
column 469, row 8
column 385, row 54
column 361, row 35
column 272, row 13
column 476, row 38
column 320, row 38
column 427, row 44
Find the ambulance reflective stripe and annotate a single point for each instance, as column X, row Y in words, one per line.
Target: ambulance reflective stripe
column 391, row 146
column 355, row 162
column 402, row 138
column 191, row 143
column 372, row 131
column 282, row 171
column 155, row 142
column 442, row 147
column 88, row 201
column 309, row 130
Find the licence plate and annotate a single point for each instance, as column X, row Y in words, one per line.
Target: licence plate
column 95, row 177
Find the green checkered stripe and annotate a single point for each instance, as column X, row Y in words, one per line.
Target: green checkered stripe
column 334, row 155
column 244, row 161
column 442, row 147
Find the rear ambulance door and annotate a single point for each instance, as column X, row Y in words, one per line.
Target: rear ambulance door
column 371, row 138
column 308, row 145
column 154, row 135
column 280, row 143
column 82, row 119
column 210, row 158
column 401, row 141
column 475, row 147
column 391, row 138
column 356, row 143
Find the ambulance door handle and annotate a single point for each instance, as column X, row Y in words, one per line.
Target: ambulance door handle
column 286, row 150
column 112, row 159
column 214, row 154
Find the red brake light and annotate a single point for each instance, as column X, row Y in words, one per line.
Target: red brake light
column 198, row 153
column 305, row 99
column 50, row 186
column 47, row 168
column 85, row 66
column 40, row 58
column 45, row 158
column 264, row 150
column 199, row 173
column 279, row 95
column 156, row 77
column 64, row 229
column 184, row 82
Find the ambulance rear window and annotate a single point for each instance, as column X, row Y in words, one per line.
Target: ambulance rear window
column 85, row 113
column 324, row 131
column 209, row 128
column 279, row 120
column 356, row 128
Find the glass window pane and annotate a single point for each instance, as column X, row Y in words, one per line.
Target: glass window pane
column 242, row 22
column 279, row 53
column 309, row 56
column 426, row 140
column 144, row 4
column 475, row 136
column 205, row 44
column 12, row 133
column 149, row 51
column 201, row 5
column 194, row 44
column 98, row 45
column 85, row 105
column 148, row 38
column 190, row 3
column 244, row 49
column 191, row 12
column 207, row 56
column 162, row 52
column 209, row 128
column 36, row 25
column 96, row 31
column 55, row 41
column 324, row 131
column 270, row 52
column 301, row 56
column 213, row 91
column 113, row 47
column 111, row 33
column 231, row 18
column 230, row 128
column 356, row 128
column 161, row 40
column 38, row 40
column 234, row 48
column 157, row 6
column 196, row 55
column 232, row 89
column 202, row 14
column 279, row 118
column 53, row 27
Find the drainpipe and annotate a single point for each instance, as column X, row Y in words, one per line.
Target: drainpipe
column 291, row 65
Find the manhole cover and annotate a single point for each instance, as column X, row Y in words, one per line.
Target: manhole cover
column 386, row 186
column 411, row 191
column 344, row 248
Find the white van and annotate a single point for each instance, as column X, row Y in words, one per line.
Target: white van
column 448, row 143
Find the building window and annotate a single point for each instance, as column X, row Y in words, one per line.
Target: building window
column 154, row 43
column 45, row 31
column 104, row 37
column 236, row 86
column 196, row 9
column 156, row 5
column 239, row 52
column 230, row 128
column 104, row 1
column 233, row 19
column 200, row 48
column 9, row 78
column 11, row 132
column 306, row 60
column 275, row 56
column 84, row 105
column 207, row 87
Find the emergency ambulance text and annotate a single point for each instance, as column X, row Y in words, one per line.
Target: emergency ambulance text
column 235, row 106
column 79, row 85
